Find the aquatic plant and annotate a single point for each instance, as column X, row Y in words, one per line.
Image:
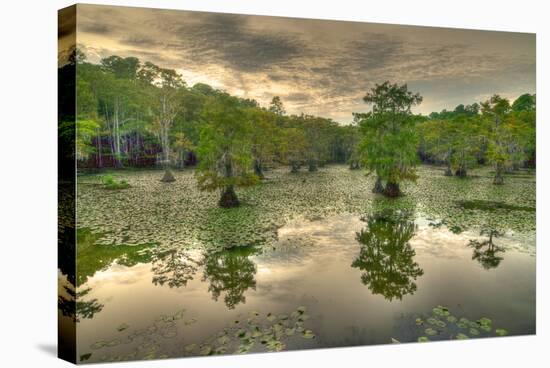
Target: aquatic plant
column 259, row 332
column 254, row 332
column 440, row 324
column 179, row 215
column 109, row 182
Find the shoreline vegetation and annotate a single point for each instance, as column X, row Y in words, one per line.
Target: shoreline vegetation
column 136, row 114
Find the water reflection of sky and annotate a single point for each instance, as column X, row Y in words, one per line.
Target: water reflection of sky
column 312, row 266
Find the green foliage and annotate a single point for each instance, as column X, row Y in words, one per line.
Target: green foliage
column 495, row 110
column 110, row 182
column 456, row 141
column 224, row 150
column 493, row 132
column 294, row 147
column 265, row 138
column 525, row 102
column 276, row 106
column 389, row 143
column 460, row 110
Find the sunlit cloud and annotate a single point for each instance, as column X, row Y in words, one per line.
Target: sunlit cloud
column 316, row 67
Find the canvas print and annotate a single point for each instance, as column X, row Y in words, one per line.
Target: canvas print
column 233, row 184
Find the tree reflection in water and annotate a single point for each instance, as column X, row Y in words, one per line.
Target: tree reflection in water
column 486, row 252
column 81, row 308
column 386, row 257
column 230, row 272
column 173, row 267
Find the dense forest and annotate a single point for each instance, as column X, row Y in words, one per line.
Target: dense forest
column 132, row 114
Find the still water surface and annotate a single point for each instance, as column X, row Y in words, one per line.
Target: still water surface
column 361, row 280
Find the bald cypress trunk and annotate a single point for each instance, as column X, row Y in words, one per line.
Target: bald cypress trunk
column 392, row 190
column 461, row 172
column 448, row 170
column 229, row 197
column 168, row 176
column 378, row 187
column 354, row 165
column 258, row 170
column 499, row 177
column 499, row 169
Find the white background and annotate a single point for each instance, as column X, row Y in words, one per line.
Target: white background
column 28, row 126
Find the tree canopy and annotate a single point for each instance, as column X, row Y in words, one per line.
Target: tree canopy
column 132, row 113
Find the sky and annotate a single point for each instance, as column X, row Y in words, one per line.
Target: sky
column 317, row 67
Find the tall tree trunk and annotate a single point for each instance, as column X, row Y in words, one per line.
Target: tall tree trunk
column 312, row 166
column 461, row 171
column 448, row 170
column 99, row 158
column 116, row 135
column 258, row 169
column 499, row 168
column 499, row 177
column 294, row 167
column 168, row 176
column 378, row 187
column 229, row 197
column 165, row 123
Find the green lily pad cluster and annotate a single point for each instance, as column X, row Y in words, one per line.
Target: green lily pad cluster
column 256, row 333
column 111, row 183
column 144, row 342
column 442, row 325
column 179, row 215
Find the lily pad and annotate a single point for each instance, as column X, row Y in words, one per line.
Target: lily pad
column 190, row 348
column 308, row 334
column 206, row 350
column 473, row 332
column 430, row 331
column 501, row 332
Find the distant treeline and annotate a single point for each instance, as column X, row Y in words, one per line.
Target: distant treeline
column 462, row 138
column 133, row 114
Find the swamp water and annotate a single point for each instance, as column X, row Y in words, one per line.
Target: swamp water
column 337, row 280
